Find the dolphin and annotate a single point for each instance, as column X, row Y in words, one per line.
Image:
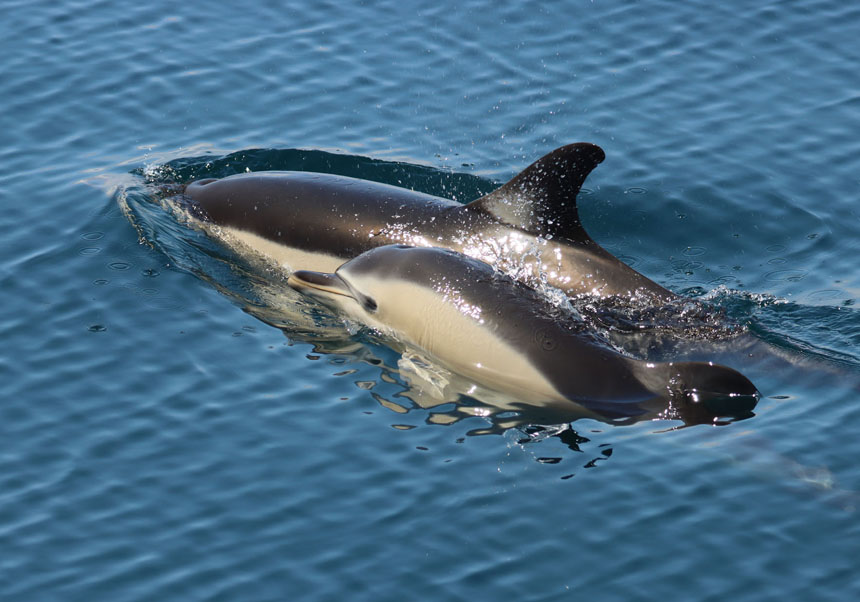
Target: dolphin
column 505, row 336
column 529, row 227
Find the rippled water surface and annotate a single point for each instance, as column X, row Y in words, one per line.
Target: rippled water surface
column 161, row 439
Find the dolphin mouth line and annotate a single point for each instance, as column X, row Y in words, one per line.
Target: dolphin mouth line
column 331, row 284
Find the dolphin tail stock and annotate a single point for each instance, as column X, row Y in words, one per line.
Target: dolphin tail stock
column 541, row 199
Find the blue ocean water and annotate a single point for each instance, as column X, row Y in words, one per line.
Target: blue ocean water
column 159, row 440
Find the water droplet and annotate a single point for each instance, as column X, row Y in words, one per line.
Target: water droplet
column 694, row 251
column 101, row 282
column 89, row 250
column 119, row 265
column 92, row 235
column 150, row 273
column 97, row 328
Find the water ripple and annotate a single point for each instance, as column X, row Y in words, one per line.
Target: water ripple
column 161, row 457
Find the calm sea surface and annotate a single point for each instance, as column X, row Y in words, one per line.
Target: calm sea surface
column 160, row 441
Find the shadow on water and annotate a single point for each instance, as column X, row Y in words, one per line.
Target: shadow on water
column 739, row 329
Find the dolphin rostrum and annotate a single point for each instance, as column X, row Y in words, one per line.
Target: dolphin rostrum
column 529, row 227
column 503, row 335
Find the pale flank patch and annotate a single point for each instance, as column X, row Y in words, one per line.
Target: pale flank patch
column 452, row 334
column 289, row 258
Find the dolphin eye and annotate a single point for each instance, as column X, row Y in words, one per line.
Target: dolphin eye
column 369, row 304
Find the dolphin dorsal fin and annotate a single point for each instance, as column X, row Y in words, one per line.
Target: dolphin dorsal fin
column 542, row 198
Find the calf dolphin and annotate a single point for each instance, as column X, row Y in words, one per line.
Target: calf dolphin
column 529, row 227
column 502, row 334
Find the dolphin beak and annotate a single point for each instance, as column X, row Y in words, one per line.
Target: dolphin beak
column 319, row 284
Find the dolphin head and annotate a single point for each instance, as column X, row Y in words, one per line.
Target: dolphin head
column 369, row 287
column 333, row 291
column 382, row 282
column 416, row 294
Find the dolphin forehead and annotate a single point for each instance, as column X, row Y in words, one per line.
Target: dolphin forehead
column 421, row 265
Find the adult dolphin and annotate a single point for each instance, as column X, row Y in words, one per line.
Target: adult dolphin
column 529, row 227
column 505, row 336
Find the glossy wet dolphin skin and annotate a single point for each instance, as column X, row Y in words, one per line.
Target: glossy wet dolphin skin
column 506, row 336
column 529, row 226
